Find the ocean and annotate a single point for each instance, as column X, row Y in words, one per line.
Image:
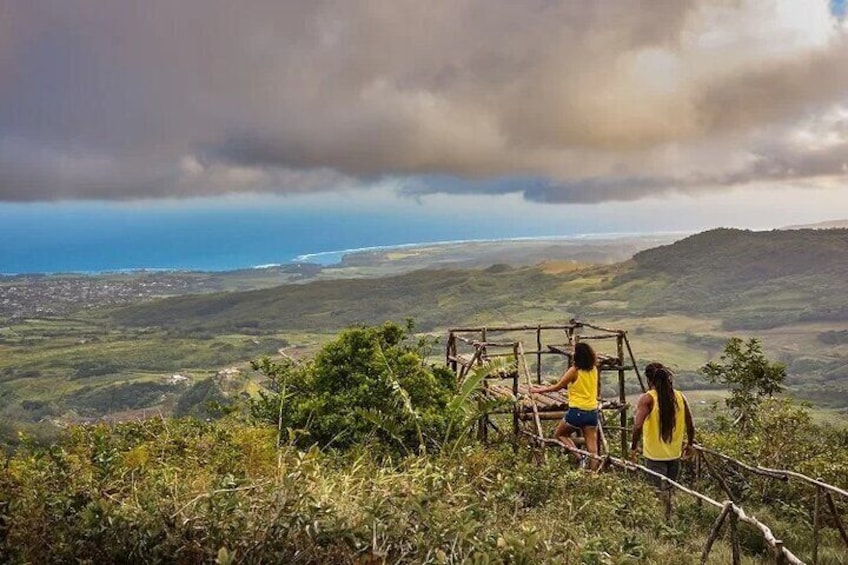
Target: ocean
column 244, row 231
column 209, row 236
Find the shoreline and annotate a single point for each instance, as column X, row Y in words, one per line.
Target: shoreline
column 331, row 258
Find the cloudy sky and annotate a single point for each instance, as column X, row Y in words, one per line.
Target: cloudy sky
column 556, row 102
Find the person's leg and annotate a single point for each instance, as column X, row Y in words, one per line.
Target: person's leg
column 664, row 468
column 673, row 472
column 656, row 467
column 590, row 434
column 563, row 433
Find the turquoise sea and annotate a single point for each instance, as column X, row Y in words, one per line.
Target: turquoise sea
column 96, row 237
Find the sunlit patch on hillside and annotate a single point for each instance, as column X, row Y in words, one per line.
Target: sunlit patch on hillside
column 560, row 267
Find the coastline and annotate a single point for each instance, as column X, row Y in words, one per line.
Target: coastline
column 334, row 258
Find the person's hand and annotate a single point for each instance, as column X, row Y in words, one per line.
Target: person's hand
column 536, row 388
column 633, row 456
column 688, row 451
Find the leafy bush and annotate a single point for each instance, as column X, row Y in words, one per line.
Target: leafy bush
column 748, row 374
column 368, row 382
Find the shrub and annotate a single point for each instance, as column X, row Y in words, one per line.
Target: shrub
column 368, row 382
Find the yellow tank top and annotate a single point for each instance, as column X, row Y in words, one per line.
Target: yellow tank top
column 583, row 392
column 653, row 447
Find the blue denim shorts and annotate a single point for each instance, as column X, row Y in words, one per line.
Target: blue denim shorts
column 581, row 418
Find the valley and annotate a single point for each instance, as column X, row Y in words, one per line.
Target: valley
column 679, row 303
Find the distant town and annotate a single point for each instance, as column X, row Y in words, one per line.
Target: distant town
column 39, row 295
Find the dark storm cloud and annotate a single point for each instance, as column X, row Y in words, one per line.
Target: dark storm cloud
column 594, row 100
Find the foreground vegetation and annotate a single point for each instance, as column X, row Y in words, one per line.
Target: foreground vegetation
column 362, row 455
column 170, row 490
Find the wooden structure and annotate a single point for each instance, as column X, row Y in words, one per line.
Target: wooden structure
column 471, row 348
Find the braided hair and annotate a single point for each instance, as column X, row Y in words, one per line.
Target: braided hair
column 660, row 378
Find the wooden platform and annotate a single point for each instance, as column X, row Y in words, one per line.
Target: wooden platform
column 605, row 362
column 547, row 402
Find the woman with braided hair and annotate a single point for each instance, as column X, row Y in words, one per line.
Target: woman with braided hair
column 662, row 413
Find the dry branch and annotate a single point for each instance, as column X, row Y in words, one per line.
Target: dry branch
column 714, row 531
column 807, row 479
column 835, row 513
column 756, row 470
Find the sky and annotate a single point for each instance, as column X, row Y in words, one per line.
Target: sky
column 707, row 112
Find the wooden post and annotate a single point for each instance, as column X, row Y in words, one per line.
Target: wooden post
column 816, row 524
column 635, row 365
column 779, row 555
column 621, row 396
column 515, row 406
column 698, row 471
column 734, row 538
column 714, row 531
column 539, row 355
column 450, row 357
column 835, row 513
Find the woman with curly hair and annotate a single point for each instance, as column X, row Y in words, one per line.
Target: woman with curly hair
column 581, row 379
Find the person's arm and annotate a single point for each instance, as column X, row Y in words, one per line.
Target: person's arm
column 567, row 378
column 643, row 408
column 690, row 428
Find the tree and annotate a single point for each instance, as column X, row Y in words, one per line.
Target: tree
column 369, row 381
column 749, row 376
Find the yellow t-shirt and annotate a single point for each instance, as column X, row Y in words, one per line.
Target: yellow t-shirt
column 653, row 447
column 583, row 392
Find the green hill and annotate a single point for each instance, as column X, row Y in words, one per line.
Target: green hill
column 433, row 298
column 752, row 280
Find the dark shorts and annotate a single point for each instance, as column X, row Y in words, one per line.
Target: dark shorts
column 581, row 418
column 670, row 469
